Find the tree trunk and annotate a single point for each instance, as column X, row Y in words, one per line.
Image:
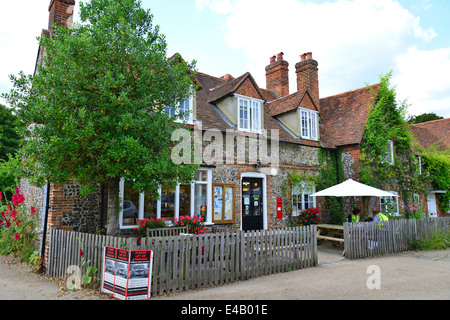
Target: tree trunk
column 113, row 208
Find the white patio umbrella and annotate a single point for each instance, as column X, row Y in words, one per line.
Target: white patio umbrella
column 351, row 188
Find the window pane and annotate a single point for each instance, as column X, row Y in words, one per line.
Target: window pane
column 130, row 213
column 243, row 114
column 312, row 125
column 168, row 203
column 218, row 203
column 150, row 207
column 184, row 108
column 304, row 123
column 185, row 200
column 170, row 111
column 256, row 122
column 308, row 201
column 201, row 175
column 200, row 200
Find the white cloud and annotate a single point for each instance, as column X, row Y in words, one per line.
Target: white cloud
column 354, row 41
column 18, row 38
column 422, row 78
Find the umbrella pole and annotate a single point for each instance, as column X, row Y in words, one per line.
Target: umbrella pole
column 351, row 207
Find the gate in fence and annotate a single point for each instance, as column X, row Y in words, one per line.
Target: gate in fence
column 185, row 262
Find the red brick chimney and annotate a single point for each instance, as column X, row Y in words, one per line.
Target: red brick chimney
column 277, row 75
column 307, row 76
column 60, row 13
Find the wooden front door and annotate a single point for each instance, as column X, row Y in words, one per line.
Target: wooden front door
column 252, row 204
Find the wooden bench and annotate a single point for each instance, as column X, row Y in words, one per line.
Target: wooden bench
column 334, row 233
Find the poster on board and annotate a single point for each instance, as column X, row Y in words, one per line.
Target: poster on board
column 127, row 273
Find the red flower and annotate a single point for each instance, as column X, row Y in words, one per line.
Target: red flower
column 13, row 214
column 1, row 195
column 81, row 253
column 17, row 199
column 16, row 236
column 32, row 210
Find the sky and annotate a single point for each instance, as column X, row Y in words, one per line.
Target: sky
column 354, row 41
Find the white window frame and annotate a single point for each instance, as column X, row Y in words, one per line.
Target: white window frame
column 420, row 164
column 416, row 198
column 208, row 183
column 305, row 190
column 253, row 109
column 189, row 119
column 309, row 129
column 382, row 200
column 389, row 155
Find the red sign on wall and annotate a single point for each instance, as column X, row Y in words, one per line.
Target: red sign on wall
column 279, row 208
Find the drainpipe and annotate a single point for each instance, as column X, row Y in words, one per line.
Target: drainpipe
column 336, row 153
column 102, row 207
column 44, row 232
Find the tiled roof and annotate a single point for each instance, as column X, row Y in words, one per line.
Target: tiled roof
column 430, row 132
column 212, row 119
column 343, row 116
column 285, row 104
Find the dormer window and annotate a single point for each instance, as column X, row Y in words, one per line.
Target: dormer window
column 249, row 114
column 309, row 124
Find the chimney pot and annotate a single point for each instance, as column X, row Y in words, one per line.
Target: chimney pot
column 280, row 56
column 303, row 57
column 277, row 75
column 309, row 55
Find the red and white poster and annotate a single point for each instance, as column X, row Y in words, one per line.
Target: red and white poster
column 127, row 273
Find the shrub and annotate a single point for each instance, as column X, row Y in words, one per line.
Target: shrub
column 307, row 217
column 195, row 225
column 439, row 240
column 151, row 223
column 18, row 227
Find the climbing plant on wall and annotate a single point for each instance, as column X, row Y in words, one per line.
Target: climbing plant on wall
column 331, row 173
column 387, row 134
column 437, row 164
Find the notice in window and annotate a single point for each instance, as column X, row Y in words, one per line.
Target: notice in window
column 218, row 203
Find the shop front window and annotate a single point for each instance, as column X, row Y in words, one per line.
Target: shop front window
column 181, row 200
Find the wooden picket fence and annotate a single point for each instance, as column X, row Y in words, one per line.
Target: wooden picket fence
column 367, row 239
column 185, row 262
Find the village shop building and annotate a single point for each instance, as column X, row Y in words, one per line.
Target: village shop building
column 241, row 194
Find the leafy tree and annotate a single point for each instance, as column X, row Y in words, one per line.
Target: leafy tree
column 9, row 135
column 424, row 117
column 97, row 104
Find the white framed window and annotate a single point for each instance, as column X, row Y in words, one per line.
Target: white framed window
column 419, row 164
column 249, row 114
column 389, row 205
column 389, row 155
column 185, row 111
column 301, row 198
column 309, row 124
column 192, row 199
column 416, row 198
